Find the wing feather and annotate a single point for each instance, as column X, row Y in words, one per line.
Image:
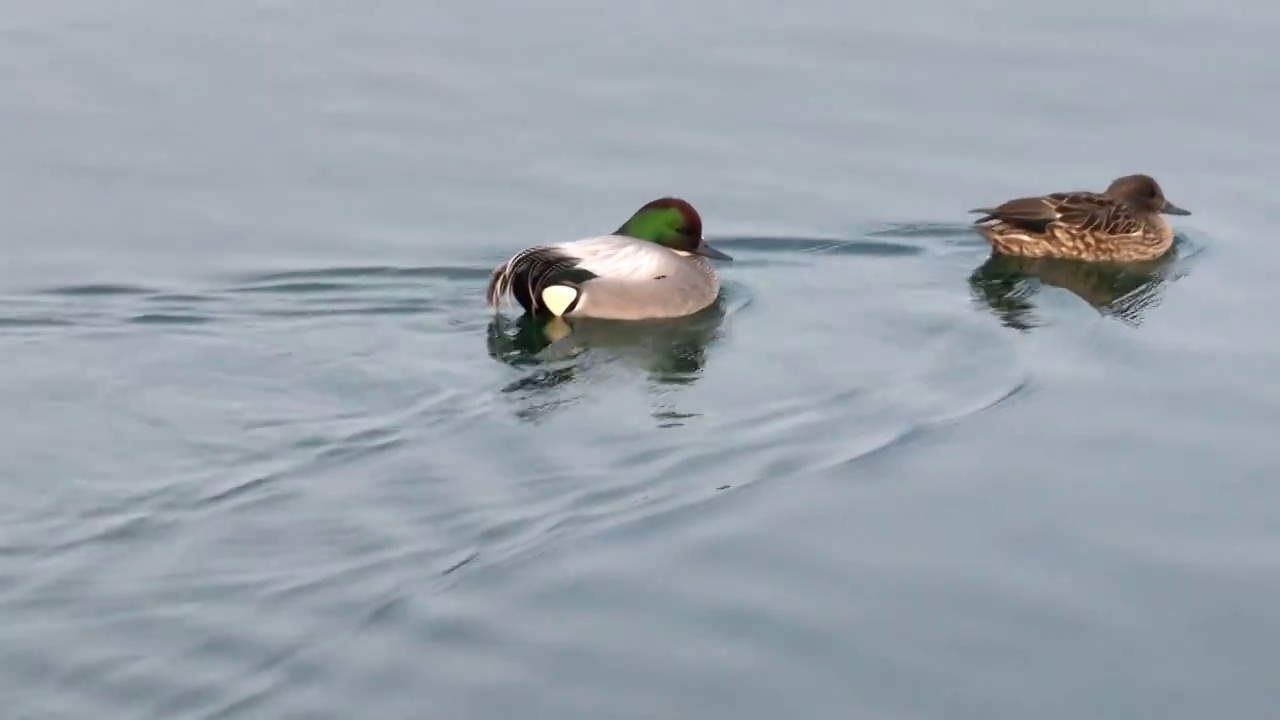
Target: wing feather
column 618, row 257
column 531, row 271
column 1082, row 210
column 628, row 278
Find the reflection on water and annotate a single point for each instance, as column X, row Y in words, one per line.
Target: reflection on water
column 1124, row 291
column 560, row 355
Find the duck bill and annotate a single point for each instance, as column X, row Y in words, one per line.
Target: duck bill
column 1171, row 209
column 706, row 250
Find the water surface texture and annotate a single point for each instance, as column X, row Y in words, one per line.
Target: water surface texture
column 265, row 453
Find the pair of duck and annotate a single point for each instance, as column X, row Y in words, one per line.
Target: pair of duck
column 656, row 264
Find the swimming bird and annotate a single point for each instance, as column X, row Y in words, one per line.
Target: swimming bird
column 1122, row 224
column 653, row 266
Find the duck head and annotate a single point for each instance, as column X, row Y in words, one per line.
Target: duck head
column 1144, row 193
column 673, row 223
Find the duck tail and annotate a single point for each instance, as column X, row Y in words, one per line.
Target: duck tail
column 987, row 214
column 530, row 272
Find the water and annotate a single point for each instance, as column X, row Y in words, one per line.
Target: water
column 266, row 454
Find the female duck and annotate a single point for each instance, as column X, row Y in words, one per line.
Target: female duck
column 654, row 266
column 1122, row 224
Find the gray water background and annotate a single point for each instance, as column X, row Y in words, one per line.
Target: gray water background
column 264, row 452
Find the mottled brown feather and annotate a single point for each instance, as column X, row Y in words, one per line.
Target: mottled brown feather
column 1084, row 210
column 1122, row 224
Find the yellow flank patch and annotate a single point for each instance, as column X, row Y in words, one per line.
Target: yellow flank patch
column 557, row 298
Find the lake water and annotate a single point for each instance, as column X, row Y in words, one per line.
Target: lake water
column 266, row 454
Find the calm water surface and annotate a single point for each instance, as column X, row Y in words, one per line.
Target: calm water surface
column 265, row 453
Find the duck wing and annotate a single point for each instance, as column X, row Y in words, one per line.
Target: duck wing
column 637, row 279
column 634, row 271
column 1084, row 210
column 617, row 257
column 1098, row 213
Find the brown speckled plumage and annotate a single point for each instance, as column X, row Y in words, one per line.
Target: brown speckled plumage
column 1122, row 224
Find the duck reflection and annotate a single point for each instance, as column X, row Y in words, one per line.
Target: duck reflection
column 1124, row 291
column 560, row 356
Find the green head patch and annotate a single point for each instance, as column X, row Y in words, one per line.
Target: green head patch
column 666, row 221
column 671, row 222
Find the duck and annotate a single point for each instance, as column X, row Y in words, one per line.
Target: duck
column 1121, row 224
column 654, row 266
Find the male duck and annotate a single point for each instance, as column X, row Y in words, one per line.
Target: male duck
column 1122, row 224
column 654, row 266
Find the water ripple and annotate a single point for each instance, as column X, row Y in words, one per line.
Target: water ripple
column 294, row 294
column 345, row 474
column 158, row 318
column 821, row 246
column 455, row 273
column 99, row 290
